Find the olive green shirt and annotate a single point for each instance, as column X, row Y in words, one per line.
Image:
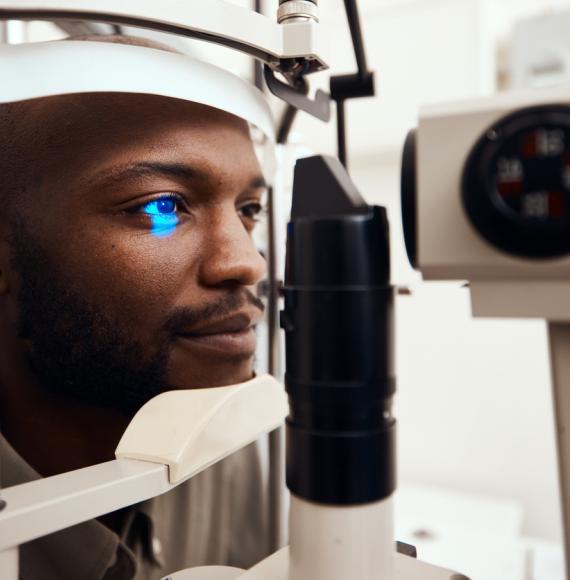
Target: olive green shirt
column 214, row 518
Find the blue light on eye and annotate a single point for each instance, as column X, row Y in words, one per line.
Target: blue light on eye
column 163, row 215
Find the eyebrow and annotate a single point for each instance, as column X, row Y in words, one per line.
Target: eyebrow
column 176, row 170
column 258, row 182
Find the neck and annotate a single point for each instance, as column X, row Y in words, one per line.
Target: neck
column 54, row 435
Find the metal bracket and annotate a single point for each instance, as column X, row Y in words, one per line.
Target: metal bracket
column 216, row 21
column 319, row 107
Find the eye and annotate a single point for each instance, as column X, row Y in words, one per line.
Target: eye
column 163, row 212
column 251, row 211
column 163, row 206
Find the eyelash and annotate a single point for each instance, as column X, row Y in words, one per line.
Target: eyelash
column 139, row 209
column 177, row 199
column 258, row 211
column 255, row 209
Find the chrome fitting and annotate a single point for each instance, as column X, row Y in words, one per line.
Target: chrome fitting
column 297, row 11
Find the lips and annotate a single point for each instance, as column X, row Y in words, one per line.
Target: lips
column 232, row 324
column 234, row 335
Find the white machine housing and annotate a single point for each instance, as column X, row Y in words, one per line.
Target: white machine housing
column 448, row 245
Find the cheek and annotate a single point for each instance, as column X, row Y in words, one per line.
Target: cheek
column 136, row 276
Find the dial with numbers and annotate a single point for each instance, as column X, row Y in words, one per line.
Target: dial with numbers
column 516, row 183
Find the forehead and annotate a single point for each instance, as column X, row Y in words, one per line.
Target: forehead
column 97, row 110
column 71, row 134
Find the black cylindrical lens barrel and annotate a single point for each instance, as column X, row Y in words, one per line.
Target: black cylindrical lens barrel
column 338, row 322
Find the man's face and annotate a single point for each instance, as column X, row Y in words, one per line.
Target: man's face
column 133, row 266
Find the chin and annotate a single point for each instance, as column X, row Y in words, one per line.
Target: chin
column 205, row 375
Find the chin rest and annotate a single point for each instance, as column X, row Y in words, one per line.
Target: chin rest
column 189, row 430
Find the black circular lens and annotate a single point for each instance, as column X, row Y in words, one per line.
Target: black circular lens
column 516, row 183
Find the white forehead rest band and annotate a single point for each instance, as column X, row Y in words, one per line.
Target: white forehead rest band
column 29, row 71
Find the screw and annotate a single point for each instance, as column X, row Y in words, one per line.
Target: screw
column 292, row 11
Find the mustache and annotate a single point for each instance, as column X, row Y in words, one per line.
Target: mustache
column 185, row 318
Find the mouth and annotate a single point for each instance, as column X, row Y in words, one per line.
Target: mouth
column 231, row 336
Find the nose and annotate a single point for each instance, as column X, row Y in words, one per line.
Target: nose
column 229, row 255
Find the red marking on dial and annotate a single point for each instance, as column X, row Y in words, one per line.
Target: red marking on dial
column 529, row 145
column 555, row 203
column 511, row 187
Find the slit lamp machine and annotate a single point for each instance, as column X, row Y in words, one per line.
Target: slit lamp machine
column 485, row 199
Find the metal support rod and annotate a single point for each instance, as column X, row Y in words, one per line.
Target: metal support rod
column 276, row 483
column 285, row 124
column 276, row 458
column 352, row 86
column 351, row 8
column 80, row 28
column 12, row 32
column 258, row 74
column 559, row 337
column 341, row 132
column 276, row 439
column 257, row 65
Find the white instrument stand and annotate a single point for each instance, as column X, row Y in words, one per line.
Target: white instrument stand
column 277, row 567
column 541, row 299
column 559, row 337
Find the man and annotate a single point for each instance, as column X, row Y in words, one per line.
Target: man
column 127, row 268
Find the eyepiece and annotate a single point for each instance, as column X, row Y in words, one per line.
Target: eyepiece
column 338, row 322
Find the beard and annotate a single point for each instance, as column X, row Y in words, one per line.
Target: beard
column 78, row 351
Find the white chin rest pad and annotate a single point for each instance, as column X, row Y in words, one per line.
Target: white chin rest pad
column 189, row 430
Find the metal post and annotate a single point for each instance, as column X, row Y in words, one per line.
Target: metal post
column 559, row 337
column 276, row 467
column 276, row 444
column 12, row 32
column 4, row 31
column 257, row 65
column 276, row 438
column 341, row 132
